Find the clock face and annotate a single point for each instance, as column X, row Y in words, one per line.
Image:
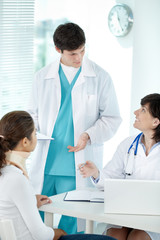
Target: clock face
column 120, row 20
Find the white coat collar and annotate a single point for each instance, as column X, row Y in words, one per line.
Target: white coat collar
column 87, row 69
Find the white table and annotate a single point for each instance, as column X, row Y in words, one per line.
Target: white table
column 95, row 212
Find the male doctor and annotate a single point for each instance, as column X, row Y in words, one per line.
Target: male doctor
column 73, row 101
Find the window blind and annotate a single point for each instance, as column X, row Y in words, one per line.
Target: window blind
column 16, row 53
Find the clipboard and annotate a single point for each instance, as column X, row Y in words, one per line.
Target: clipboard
column 41, row 136
column 85, row 196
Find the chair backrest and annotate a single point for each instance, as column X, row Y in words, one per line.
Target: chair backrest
column 7, row 231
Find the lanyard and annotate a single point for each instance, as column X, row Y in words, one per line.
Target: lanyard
column 131, row 156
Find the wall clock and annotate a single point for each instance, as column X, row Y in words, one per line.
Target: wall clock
column 120, row 20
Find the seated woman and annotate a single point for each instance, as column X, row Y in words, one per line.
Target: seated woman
column 17, row 199
column 136, row 158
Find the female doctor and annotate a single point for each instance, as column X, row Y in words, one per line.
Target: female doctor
column 136, row 158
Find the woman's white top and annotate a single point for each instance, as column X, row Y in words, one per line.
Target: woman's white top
column 18, row 203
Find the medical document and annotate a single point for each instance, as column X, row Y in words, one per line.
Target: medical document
column 85, row 196
column 41, row 136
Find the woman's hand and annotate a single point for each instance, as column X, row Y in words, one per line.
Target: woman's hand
column 89, row 169
column 58, row 233
column 42, row 199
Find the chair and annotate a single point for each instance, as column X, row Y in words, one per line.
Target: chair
column 7, row 231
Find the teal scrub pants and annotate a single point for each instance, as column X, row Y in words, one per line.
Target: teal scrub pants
column 59, row 184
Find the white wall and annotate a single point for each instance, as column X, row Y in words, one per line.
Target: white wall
column 114, row 55
column 146, row 52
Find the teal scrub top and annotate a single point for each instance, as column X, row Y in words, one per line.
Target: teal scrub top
column 59, row 160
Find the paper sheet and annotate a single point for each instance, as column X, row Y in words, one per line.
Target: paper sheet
column 85, row 195
column 41, row 136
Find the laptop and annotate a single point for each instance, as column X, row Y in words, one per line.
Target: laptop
column 125, row 196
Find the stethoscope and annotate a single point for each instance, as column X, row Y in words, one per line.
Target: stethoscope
column 131, row 155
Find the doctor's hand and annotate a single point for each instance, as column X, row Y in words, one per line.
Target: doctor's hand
column 42, row 199
column 82, row 142
column 88, row 170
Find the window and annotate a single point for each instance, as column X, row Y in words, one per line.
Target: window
column 16, row 53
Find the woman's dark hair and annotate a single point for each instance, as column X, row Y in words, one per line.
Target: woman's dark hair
column 69, row 36
column 153, row 101
column 14, row 126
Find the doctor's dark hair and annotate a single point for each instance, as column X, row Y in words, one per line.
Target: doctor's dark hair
column 153, row 100
column 14, row 126
column 69, row 36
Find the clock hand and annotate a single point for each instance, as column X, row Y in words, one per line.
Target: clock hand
column 118, row 21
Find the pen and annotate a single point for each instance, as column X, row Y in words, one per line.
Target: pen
column 82, row 166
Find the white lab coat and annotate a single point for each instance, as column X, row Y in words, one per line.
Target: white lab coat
column 95, row 111
column 144, row 167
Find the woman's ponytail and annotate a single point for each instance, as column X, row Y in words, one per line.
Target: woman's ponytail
column 4, row 147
